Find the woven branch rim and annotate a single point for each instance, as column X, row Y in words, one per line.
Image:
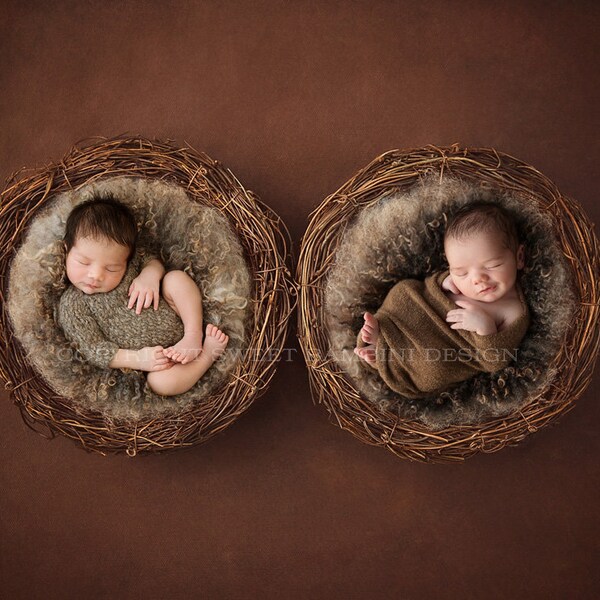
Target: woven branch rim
column 399, row 170
column 266, row 242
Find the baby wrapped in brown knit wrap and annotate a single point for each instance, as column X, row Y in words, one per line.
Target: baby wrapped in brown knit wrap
column 419, row 355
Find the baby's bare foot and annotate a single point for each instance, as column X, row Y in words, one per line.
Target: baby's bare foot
column 370, row 330
column 186, row 349
column 367, row 353
column 215, row 342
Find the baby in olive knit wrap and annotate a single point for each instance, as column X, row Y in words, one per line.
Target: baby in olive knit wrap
column 124, row 311
column 471, row 318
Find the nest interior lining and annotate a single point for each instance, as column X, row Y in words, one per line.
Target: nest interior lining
column 187, row 236
column 401, row 236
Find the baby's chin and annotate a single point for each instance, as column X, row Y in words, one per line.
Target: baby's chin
column 89, row 290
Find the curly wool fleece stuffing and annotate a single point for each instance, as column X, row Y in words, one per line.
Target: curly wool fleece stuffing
column 187, row 236
column 400, row 236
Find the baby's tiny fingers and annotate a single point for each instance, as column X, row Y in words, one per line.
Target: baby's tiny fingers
column 132, row 298
column 139, row 305
column 148, row 300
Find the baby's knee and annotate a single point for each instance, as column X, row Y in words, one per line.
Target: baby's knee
column 174, row 277
column 177, row 280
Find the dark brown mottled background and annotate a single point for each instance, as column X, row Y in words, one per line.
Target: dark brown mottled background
column 294, row 97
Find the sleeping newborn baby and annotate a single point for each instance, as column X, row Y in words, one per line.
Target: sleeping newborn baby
column 106, row 309
column 420, row 342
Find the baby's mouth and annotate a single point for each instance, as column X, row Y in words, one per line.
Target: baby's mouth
column 487, row 289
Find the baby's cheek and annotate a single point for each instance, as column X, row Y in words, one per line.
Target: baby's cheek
column 71, row 273
column 458, row 283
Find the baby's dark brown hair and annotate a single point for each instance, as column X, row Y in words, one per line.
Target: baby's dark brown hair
column 483, row 216
column 102, row 217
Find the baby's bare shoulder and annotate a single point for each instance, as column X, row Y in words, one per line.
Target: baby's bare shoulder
column 510, row 310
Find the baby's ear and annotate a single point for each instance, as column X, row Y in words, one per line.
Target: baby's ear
column 521, row 257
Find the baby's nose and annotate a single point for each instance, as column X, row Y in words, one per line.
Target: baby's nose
column 95, row 274
column 479, row 277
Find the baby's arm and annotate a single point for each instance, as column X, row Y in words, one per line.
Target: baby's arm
column 145, row 288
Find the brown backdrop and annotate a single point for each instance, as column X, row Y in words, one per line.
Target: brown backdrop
column 294, row 97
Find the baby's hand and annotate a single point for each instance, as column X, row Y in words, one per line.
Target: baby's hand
column 471, row 318
column 449, row 285
column 152, row 358
column 143, row 292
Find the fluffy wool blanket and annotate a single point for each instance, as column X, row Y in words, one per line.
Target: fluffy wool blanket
column 185, row 235
column 400, row 236
column 418, row 354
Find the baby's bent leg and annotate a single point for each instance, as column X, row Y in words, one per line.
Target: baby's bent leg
column 180, row 378
column 184, row 297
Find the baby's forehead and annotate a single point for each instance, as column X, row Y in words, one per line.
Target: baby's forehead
column 481, row 247
column 492, row 235
column 98, row 245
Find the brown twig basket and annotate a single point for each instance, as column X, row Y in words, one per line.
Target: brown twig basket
column 398, row 171
column 265, row 241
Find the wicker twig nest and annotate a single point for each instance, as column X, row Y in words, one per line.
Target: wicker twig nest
column 381, row 423
column 264, row 243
